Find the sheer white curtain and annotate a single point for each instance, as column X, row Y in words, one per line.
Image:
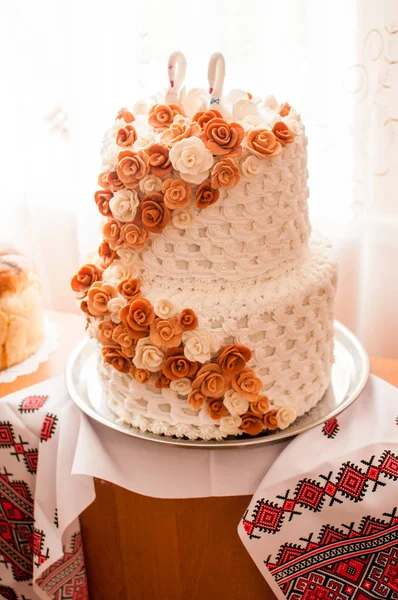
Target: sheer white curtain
column 67, row 66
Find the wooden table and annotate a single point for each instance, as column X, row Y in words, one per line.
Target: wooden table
column 141, row 548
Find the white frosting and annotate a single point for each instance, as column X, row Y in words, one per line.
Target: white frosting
column 259, row 227
column 287, row 323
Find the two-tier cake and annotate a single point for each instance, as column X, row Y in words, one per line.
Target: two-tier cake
column 211, row 302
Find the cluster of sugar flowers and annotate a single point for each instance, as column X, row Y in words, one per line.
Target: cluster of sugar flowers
column 156, row 344
column 158, row 176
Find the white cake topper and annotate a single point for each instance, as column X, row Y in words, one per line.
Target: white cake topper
column 216, row 75
column 176, row 68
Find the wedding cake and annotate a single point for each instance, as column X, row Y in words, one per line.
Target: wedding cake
column 211, row 301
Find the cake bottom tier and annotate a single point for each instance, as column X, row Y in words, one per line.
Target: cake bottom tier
column 287, row 323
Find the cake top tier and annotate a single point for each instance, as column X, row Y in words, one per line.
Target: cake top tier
column 221, row 177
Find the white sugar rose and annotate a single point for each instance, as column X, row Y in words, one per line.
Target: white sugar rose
column 150, row 184
column 109, row 154
column 243, row 108
column 285, row 417
column 192, row 159
column 199, row 345
column 271, row 102
column 114, row 307
column 235, row 404
column 164, row 309
column 182, row 218
column 295, row 127
column 118, row 271
column 251, row 122
column 128, row 256
column 229, row 425
column 147, row 355
column 252, row 166
column 124, row 205
column 144, row 141
column 181, row 386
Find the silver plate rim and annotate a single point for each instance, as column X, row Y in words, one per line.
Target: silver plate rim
column 341, row 332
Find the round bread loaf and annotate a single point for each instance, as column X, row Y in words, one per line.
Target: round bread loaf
column 21, row 308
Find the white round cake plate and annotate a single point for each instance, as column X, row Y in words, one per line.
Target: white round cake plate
column 349, row 376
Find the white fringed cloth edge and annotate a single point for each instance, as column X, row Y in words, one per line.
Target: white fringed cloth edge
column 323, row 517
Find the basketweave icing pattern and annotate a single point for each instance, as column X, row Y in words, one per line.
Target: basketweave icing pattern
column 259, row 227
column 291, row 338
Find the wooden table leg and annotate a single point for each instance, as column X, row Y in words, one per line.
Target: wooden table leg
column 140, row 548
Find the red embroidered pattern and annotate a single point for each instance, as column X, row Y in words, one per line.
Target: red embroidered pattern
column 32, row 403
column 351, row 482
column 8, row 440
column 331, row 428
column 48, row 427
column 66, row 578
column 342, row 564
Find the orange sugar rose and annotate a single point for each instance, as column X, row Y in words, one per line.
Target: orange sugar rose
column 260, row 406
column 263, row 143
column 106, row 253
column 98, row 297
column 121, row 336
column 204, row 117
column 210, row 381
column 247, row 384
column 188, row 320
column 282, row 133
column 126, row 136
column 114, row 183
column 125, row 114
column 251, row 424
column 115, row 357
column 137, row 317
column 284, row 109
column 102, row 199
column 161, row 116
column 129, row 288
column 154, row 213
column 105, row 333
column 270, row 419
column 85, row 277
column 112, row 233
column 177, row 193
column 165, row 332
column 134, row 235
column 159, row 161
column 177, row 366
column 233, row 358
column 206, row 195
column 225, row 174
column 216, row 408
column 222, row 138
column 180, row 129
column 132, row 166
column 162, row 381
column 196, row 399
column 142, row 375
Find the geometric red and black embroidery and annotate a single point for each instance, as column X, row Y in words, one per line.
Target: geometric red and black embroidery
column 31, row 403
column 342, row 564
column 48, row 427
column 351, row 482
column 66, row 578
column 9, row 594
column 41, row 554
column 16, row 531
column 331, row 428
column 20, row 450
